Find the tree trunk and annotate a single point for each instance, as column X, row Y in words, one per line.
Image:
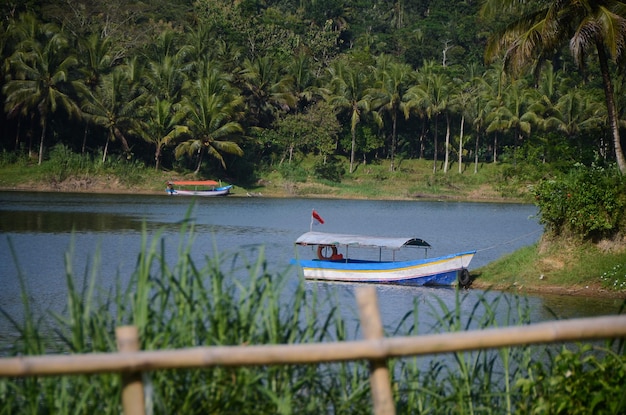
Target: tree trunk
column 393, row 141
column 435, row 156
column 447, row 154
column 421, row 156
column 495, row 147
column 476, row 152
column 82, row 150
column 610, row 104
column 43, row 134
column 461, row 144
column 157, row 158
column 200, row 153
column 352, row 150
column 120, row 135
column 17, row 133
column 106, row 149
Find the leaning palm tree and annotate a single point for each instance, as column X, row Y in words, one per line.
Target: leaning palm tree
column 544, row 26
column 212, row 112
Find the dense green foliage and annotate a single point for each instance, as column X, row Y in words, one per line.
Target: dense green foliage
column 186, row 304
column 588, row 203
column 252, row 85
column 589, row 380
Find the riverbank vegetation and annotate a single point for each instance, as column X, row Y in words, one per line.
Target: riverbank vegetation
column 188, row 304
column 230, row 90
column 411, row 180
column 583, row 249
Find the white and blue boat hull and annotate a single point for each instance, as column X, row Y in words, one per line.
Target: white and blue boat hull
column 442, row 270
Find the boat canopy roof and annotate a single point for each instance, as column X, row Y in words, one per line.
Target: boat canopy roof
column 322, row 238
column 194, row 182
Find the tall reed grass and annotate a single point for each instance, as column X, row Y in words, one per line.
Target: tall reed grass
column 187, row 304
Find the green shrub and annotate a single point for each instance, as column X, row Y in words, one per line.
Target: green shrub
column 331, row 170
column 589, row 380
column 588, row 203
column 63, row 163
column 293, row 172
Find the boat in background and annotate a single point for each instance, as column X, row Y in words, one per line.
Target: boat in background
column 197, row 188
column 330, row 265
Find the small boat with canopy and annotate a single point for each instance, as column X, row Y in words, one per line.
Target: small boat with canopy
column 382, row 264
column 197, row 188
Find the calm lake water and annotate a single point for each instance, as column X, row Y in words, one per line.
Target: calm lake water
column 39, row 229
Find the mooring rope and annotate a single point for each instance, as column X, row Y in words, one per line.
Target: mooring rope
column 508, row 242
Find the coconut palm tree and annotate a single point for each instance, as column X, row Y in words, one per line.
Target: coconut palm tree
column 540, row 28
column 40, row 76
column 96, row 58
column 302, row 81
column 391, row 82
column 348, row 90
column 163, row 125
column 512, row 113
column 113, row 106
column 431, row 94
column 267, row 91
column 166, row 71
column 212, row 113
column 462, row 102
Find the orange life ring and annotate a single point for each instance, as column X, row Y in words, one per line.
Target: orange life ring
column 322, row 249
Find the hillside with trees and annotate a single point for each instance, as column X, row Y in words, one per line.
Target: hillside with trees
column 232, row 89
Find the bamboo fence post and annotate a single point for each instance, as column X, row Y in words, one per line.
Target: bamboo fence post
column 132, row 386
column 373, row 330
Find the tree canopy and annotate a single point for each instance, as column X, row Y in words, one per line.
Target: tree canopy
column 171, row 82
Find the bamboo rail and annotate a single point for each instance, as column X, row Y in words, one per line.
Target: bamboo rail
column 382, row 397
column 233, row 356
column 132, row 388
column 130, row 362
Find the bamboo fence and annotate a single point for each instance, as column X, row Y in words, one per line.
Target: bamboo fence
column 130, row 362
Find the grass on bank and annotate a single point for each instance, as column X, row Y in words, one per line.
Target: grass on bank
column 411, row 179
column 586, row 267
column 189, row 304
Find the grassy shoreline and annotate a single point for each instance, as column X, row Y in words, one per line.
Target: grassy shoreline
column 552, row 266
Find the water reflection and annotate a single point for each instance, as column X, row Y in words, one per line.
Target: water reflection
column 16, row 221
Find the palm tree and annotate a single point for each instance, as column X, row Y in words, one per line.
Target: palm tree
column 493, row 87
column 513, row 115
column 574, row 112
column 543, row 27
column 431, row 94
column 391, row 83
column 96, row 59
column 165, row 73
column 40, row 71
column 212, row 113
column 348, row 90
column 267, row 91
column 462, row 102
column 113, row 105
column 162, row 126
column 302, row 81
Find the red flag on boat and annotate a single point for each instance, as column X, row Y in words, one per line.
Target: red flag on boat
column 317, row 217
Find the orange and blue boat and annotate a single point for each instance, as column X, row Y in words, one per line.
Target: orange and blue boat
column 197, row 188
